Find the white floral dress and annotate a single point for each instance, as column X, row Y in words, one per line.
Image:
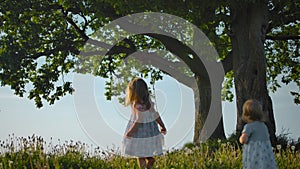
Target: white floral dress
column 146, row 141
column 258, row 152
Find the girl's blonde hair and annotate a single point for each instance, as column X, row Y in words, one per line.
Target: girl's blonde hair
column 252, row 111
column 137, row 92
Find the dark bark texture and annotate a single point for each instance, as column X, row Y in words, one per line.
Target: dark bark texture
column 249, row 23
column 203, row 103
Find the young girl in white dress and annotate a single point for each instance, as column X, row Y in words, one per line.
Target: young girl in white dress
column 257, row 152
column 142, row 138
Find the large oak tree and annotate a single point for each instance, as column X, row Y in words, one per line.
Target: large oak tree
column 257, row 40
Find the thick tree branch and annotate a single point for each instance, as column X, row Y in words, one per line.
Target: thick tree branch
column 183, row 52
column 173, row 45
column 122, row 49
column 171, row 68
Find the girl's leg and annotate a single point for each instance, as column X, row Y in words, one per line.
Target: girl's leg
column 150, row 162
column 142, row 163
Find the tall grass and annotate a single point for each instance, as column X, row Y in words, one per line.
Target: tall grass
column 34, row 152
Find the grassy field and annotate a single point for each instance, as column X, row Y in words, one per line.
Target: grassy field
column 34, row 152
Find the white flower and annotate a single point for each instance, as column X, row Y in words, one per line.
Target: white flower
column 10, row 163
column 195, row 148
column 293, row 148
column 278, row 147
column 188, row 151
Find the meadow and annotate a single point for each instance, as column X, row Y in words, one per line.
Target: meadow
column 33, row 152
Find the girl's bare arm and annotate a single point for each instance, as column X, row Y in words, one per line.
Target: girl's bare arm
column 161, row 123
column 244, row 138
column 158, row 119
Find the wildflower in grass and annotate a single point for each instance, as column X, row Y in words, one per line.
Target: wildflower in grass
column 188, row 151
column 10, row 163
column 293, row 148
column 196, row 148
column 278, row 147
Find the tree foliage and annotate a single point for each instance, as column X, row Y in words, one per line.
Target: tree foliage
column 41, row 39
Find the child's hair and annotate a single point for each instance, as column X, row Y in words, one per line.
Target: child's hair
column 252, row 110
column 137, row 93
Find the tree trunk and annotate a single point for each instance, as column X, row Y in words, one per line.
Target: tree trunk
column 249, row 23
column 202, row 106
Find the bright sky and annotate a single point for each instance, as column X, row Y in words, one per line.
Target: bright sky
column 87, row 117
